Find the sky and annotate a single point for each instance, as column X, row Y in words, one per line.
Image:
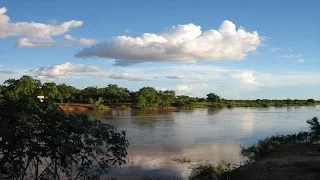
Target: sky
column 236, row 49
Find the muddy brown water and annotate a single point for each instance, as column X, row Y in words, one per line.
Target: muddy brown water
column 160, row 139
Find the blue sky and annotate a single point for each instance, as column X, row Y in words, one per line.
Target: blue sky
column 237, row 49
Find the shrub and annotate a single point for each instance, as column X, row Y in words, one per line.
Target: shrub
column 40, row 141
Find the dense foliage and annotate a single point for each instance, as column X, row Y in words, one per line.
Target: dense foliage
column 143, row 98
column 40, row 141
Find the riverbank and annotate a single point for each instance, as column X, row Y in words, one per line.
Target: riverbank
column 68, row 107
column 71, row 107
column 287, row 161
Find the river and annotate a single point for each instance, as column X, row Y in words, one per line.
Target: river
column 158, row 137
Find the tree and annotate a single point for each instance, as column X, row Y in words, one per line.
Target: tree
column 165, row 98
column 40, row 141
column 25, row 86
column 113, row 91
column 311, row 101
column 212, row 97
column 146, row 97
column 141, row 102
column 65, row 91
column 93, row 92
column 50, row 90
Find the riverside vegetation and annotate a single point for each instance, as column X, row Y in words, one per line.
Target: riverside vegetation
column 146, row 97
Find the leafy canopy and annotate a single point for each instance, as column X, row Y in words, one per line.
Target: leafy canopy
column 40, row 141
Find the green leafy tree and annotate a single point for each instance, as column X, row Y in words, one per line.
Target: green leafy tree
column 184, row 101
column 165, row 98
column 141, row 102
column 212, row 97
column 25, row 86
column 113, row 91
column 50, row 90
column 65, row 91
column 39, row 141
column 93, row 92
column 146, row 97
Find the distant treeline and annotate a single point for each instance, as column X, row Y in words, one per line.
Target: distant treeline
column 143, row 98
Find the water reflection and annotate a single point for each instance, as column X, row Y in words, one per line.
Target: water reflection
column 163, row 160
column 158, row 136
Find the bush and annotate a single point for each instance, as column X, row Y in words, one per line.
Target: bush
column 210, row 172
column 40, row 141
column 261, row 149
column 98, row 104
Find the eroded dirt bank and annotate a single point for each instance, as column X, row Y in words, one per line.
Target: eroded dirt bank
column 294, row 162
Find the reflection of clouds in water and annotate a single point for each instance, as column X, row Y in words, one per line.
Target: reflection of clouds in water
column 157, row 137
column 247, row 123
column 158, row 158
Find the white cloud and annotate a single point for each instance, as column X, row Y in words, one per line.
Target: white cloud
column 180, row 76
column 33, row 29
column 127, row 76
column 290, row 79
column 290, row 56
column 246, row 78
column 276, row 49
column 87, row 42
column 69, row 69
column 38, row 42
column 182, row 43
column 69, row 37
column 300, row 60
column 63, row 70
column 2, row 71
column 46, row 42
column 227, row 82
column 191, row 89
column 6, row 72
column 183, row 87
column 39, row 34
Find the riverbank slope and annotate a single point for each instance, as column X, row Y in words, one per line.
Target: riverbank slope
column 288, row 161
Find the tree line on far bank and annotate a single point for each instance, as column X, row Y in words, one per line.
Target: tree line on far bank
column 143, row 98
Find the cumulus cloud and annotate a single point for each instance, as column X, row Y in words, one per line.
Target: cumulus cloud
column 87, row 42
column 182, row 43
column 46, row 42
column 39, row 34
column 63, row 70
column 69, row 69
column 35, row 42
column 191, row 89
column 246, row 78
column 33, row 29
